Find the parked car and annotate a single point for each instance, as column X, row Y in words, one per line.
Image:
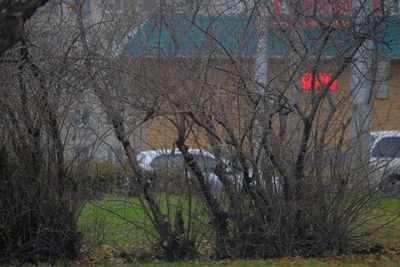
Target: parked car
column 385, row 159
column 170, row 167
column 171, row 162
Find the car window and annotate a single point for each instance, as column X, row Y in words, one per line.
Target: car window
column 206, row 164
column 387, row 147
column 170, row 162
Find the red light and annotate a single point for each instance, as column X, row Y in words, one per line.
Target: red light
column 324, row 78
column 324, row 6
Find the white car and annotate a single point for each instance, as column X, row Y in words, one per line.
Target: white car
column 172, row 161
column 385, row 159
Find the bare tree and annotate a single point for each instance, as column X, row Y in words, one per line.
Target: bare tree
column 40, row 194
column 363, row 84
column 299, row 115
column 13, row 16
column 262, row 85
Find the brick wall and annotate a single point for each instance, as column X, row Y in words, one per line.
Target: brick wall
column 161, row 132
column 386, row 112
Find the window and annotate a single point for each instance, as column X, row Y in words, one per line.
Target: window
column 86, row 6
column 119, row 154
column 173, row 162
column 50, row 6
column 147, row 6
column 388, row 147
column 396, row 6
column 206, row 164
column 318, row 6
column 77, row 46
column 382, row 77
column 234, row 6
column 81, row 118
column 114, row 154
column 168, row 162
column 110, row 154
column 108, row 121
column 81, row 153
column 320, row 81
column 115, row 6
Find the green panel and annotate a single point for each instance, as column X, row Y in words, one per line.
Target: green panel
column 235, row 35
column 203, row 36
column 388, row 37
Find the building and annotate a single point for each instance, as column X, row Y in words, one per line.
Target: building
column 68, row 28
column 180, row 40
column 188, row 35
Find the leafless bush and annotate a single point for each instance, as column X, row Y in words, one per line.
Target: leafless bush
column 253, row 83
column 39, row 191
column 266, row 125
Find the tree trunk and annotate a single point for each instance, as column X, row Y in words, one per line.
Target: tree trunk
column 362, row 82
column 13, row 15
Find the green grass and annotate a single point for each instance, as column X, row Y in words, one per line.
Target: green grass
column 107, row 233
column 99, row 223
column 288, row 262
column 270, row 264
column 119, row 221
column 122, row 222
column 388, row 213
column 130, row 231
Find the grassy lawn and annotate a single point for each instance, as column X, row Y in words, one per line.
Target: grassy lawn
column 388, row 212
column 113, row 220
column 258, row 264
column 119, row 222
column 116, row 225
column 285, row 263
column 282, row 263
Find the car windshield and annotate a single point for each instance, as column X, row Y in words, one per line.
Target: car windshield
column 388, row 147
column 171, row 162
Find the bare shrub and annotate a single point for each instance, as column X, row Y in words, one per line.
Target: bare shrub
column 259, row 90
column 39, row 191
column 268, row 126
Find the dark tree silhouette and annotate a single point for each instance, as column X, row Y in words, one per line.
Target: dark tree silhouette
column 13, row 15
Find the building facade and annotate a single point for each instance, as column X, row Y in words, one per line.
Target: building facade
column 179, row 40
column 199, row 45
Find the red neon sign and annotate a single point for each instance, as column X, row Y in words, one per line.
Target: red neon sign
column 327, row 6
column 320, row 81
column 323, row 6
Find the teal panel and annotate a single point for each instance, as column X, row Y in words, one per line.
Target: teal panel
column 203, row 36
column 388, row 37
column 330, row 43
column 277, row 44
column 235, row 35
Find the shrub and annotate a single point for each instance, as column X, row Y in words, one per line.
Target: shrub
column 34, row 206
